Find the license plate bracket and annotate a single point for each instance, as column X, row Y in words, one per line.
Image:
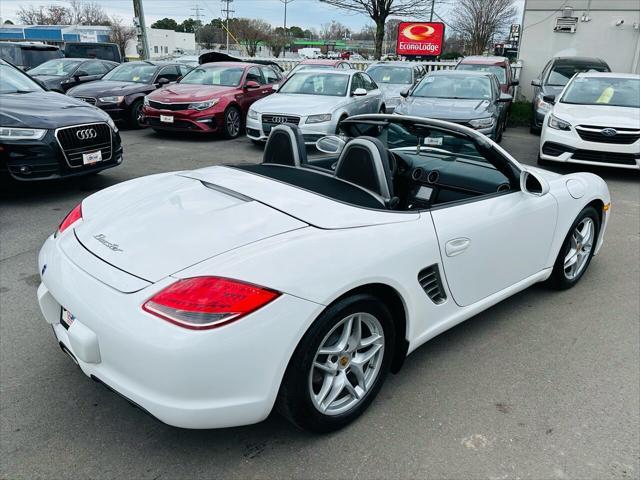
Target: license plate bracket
column 92, row 157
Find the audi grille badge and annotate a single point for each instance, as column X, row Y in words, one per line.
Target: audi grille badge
column 86, row 134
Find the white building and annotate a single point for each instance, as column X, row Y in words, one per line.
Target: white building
column 608, row 29
column 163, row 43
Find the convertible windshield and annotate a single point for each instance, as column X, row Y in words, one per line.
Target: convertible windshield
column 454, row 86
column 314, row 83
column 132, row 72
column 611, row 91
column 12, row 81
column 416, row 139
column 220, row 76
column 57, row 68
column 394, row 75
column 497, row 70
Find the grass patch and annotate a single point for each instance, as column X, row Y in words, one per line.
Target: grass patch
column 520, row 114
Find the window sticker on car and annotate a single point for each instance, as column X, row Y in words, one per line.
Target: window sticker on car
column 433, row 141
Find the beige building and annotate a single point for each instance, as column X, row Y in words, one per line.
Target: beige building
column 608, row 29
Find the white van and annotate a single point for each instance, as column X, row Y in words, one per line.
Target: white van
column 309, row 52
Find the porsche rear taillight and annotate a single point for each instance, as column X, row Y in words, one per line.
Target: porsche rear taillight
column 72, row 217
column 201, row 303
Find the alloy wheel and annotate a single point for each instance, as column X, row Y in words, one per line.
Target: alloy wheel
column 347, row 364
column 232, row 122
column 580, row 245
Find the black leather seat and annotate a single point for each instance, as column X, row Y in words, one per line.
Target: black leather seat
column 285, row 146
column 364, row 161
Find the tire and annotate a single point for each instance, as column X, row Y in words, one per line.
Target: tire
column 304, row 384
column 564, row 277
column 135, row 115
column 232, row 126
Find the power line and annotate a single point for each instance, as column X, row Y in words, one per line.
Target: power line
column 286, row 2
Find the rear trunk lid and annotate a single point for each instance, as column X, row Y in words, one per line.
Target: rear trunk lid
column 158, row 225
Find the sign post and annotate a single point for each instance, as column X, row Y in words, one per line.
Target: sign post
column 420, row 39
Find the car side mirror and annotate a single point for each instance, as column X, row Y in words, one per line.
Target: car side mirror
column 515, row 83
column 505, row 97
column 404, row 93
column 549, row 99
column 359, row 92
column 330, row 144
column 536, row 83
column 162, row 81
column 251, row 85
column 80, row 73
column 533, row 184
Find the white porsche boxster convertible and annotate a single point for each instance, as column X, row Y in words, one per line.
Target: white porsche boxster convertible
column 208, row 297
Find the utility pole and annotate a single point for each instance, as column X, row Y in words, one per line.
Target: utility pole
column 141, row 26
column 433, row 5
column 198, row 24
column 226, row 10
column 286, row 2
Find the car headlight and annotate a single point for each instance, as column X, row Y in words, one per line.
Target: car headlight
column 323, row 117
column 8, row 133
column 487, row 122
column 145, row 102
column 203, row 105
column 252, row 114
column 113, row 99
column 558, row 124
column 541, row 105
column 112, row 124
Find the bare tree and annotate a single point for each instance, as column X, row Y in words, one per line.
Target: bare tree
column 277, row 43
column 368, row 32
column 334, row 31
column 88, row 13
column 380, row 10
column 49, row 15
column 479, row 21
column 120, row 33
column 250, row 33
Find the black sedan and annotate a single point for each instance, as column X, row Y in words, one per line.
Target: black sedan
column 62, row 74
column 121, row 92
column 45, row 135
column 473, row 99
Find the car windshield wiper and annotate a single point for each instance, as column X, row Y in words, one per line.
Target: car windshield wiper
column 22, row 91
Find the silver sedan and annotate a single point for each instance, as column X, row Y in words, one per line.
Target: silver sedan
column 317, row 101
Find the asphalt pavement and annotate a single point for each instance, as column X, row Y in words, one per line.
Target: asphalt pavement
column 544, row 385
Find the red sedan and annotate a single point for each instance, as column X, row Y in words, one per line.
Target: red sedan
column 213, row 97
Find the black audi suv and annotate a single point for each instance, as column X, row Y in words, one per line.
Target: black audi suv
column 46, row 135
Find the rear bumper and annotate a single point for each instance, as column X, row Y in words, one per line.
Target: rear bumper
column 224, row 377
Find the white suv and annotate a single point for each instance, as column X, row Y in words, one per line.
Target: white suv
column 594, row 121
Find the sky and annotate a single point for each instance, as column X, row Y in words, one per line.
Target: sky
column 303, row 13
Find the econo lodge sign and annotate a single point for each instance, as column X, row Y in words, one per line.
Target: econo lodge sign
column 420, row 38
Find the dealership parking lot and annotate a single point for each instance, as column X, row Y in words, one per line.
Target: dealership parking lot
column 543, row 385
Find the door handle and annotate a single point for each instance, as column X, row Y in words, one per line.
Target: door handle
column 456, row 246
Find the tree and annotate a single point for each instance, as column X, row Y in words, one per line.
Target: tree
column 277, row 43
column 189, row 26
column 380, row 10
column 209, row 35
column 296, row 32
column 250, row 32
column 87, row 13
column 120, row 34
column 334, row 31
column 165, row 24
column 367, row 33
column 479, row 21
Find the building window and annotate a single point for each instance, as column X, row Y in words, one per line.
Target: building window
column 166, row 49
column 155, row 49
